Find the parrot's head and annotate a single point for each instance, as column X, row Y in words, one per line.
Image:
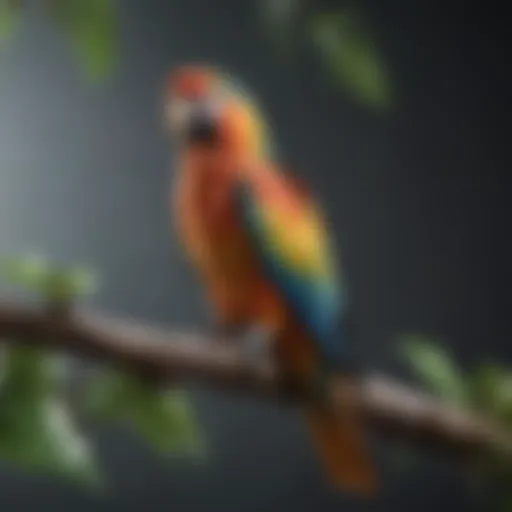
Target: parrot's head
column 203, row 106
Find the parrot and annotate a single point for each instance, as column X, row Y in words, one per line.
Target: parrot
column 263, row 253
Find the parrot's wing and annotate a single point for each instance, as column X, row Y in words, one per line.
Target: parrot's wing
column 290, row 239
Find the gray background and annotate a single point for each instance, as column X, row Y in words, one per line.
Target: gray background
column 419, row 201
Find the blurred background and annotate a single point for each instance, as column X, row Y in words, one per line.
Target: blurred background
column 406, row 149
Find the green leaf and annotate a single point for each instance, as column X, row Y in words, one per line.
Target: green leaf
column 492, row 391
column 37, row 431
column 166, row 422
column 106, row 397
column 82, row 281
column 35, row 273
column 483, row 386
column 91, row 29
column 65, row 445
column 31, row 372
column 10, row 13
column 40, row 435
column 164, row 418
column 67, row 284
column 31, row 271
column 436, row 369
column 350, row 56
column 504, row 399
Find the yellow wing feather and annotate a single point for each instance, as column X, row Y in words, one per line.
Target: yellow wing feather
column 300, row 239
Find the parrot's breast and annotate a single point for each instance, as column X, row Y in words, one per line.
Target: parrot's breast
column 209, row 227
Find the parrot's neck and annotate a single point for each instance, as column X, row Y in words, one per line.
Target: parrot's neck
column 216, row 163
column 227, row 155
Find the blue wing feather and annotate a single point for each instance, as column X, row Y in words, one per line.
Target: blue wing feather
column 315, row 299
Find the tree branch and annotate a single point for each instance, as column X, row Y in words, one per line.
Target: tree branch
column 389, row 407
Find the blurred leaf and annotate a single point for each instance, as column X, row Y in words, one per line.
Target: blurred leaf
column 484, row 382
column 40, row 435
column 492, row 391
column 35, row 273
column 4, row 359
column 163, row 417
column 32, row 372
column 104, row 398
column 281, row 19
column 166, row 421
column 68, row 284
column 91, row 28
column 350, row 56
column 488, row 389
column 435, row 368
column 36, row 428
column 82, row 281
column 31, row 271
column 10, row 13
column 504, row 399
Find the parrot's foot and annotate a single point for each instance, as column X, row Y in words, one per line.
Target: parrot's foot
column 257, row 344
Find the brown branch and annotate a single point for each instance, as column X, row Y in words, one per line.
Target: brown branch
column 389, row 407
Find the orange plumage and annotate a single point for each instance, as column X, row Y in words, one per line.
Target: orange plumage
column 235, row 236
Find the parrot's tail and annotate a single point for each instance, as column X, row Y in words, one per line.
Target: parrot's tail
column 340, row 444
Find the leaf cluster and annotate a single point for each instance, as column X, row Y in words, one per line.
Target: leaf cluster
column 486, row 389
column 39, row 430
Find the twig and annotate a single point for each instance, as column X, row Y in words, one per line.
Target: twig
column 389, row 407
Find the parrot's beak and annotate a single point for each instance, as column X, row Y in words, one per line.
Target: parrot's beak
column 191, row 122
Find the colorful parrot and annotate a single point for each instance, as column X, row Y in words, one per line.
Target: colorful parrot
column 262, row 250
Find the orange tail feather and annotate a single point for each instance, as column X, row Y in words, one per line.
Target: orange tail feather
column 340, row 444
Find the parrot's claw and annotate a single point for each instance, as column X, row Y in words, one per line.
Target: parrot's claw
column 256, row 346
